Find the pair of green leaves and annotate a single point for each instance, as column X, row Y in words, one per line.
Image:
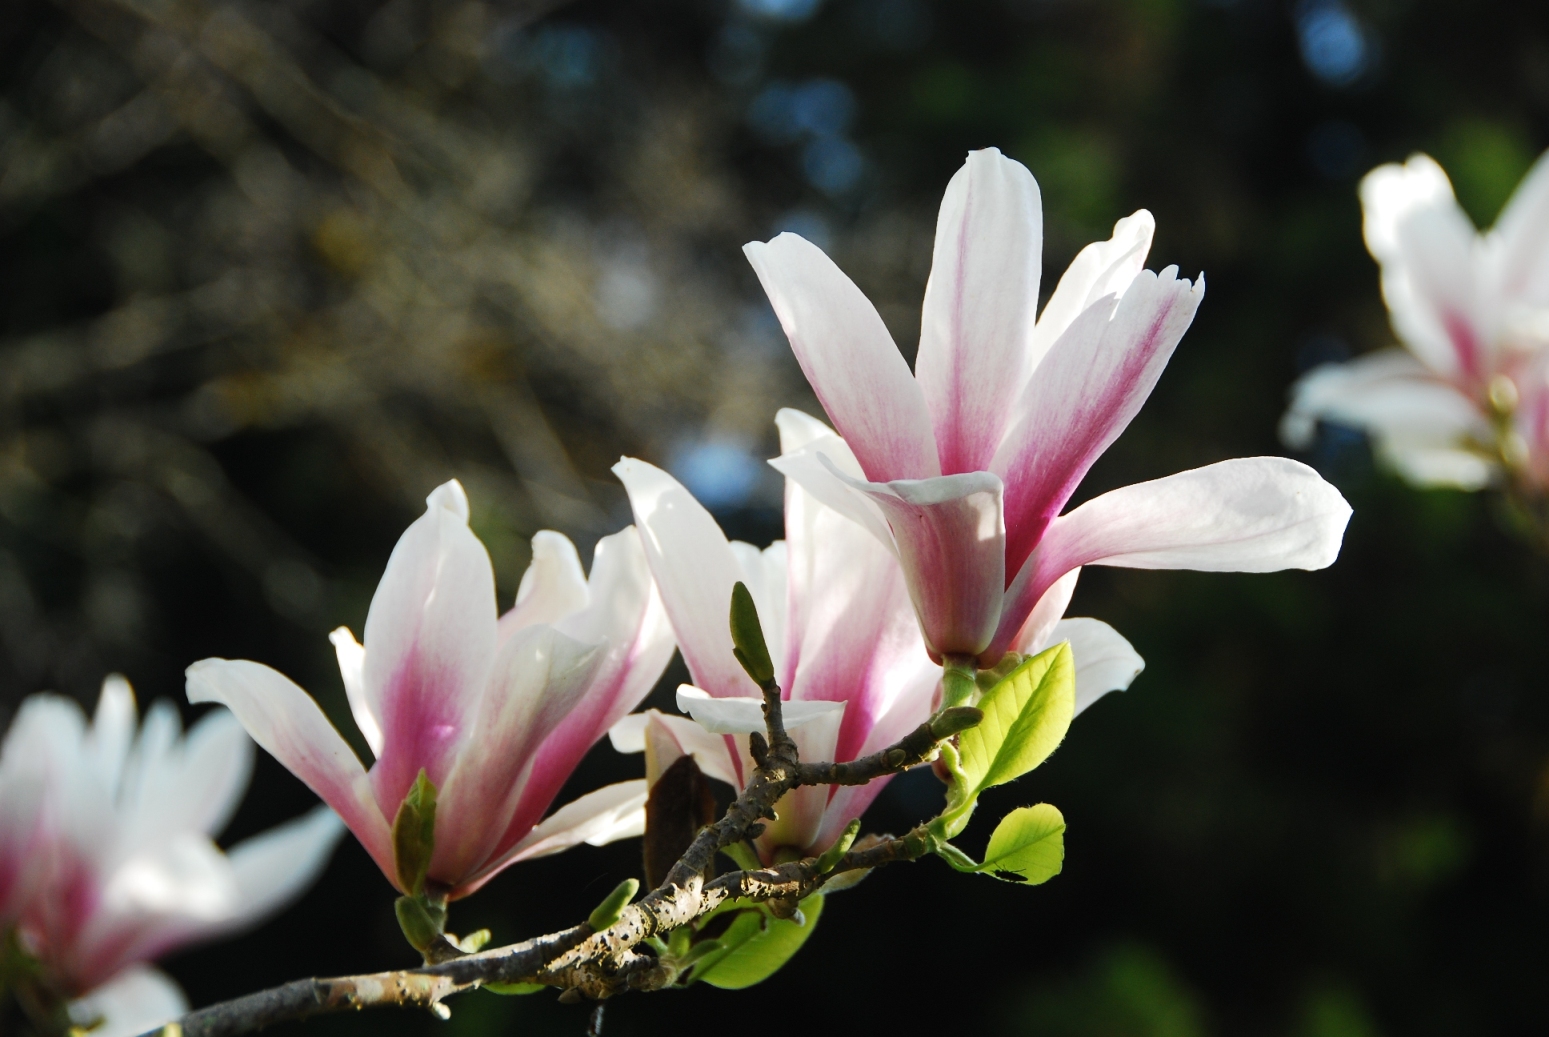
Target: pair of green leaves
column 1026, row 715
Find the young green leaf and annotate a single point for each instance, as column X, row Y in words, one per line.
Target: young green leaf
column 1028, row 845
column 414, row 835
column 514, row 988
column 421, row 926
column 831, row 856
column 1026, row 716
column 760, row 949
column 747, row 636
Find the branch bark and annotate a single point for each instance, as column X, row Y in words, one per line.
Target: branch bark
column 586, row 964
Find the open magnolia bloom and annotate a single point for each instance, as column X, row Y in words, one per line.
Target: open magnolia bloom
column 106, row 855
column 962, row 468
column 495, row 713
column 1466, row 394
column 846, row 647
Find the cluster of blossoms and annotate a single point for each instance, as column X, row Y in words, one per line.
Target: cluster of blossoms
column 926, row 541
column 1465, row 403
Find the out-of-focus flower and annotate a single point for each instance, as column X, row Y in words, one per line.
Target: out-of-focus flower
column 1465, row 395
column 965, row 465
column 495, row 713
column 106, row 855
column 846, row 646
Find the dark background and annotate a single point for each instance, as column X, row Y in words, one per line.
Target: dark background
column 269, row 272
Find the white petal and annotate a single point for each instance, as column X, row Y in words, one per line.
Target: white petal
column 1102, row 268
column 695, row 570
column 1254, row 514
column 1426, row 247
column 136, row 1001
column 553, row 587
column 849, row 358
column 112, row 730
column 708, row 750
column 352, row 660
column 1104, row 660
column 289, row 725
column 979, row 307
column 198, row 786
column 275, row 868
column 797, row 429
column 739, row 716
column 1519, row 244
column 430, row 640
column 610, row 813
column 817, row 470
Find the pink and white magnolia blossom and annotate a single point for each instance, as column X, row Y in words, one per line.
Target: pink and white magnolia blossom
column 841, row 632
column 106, row 851
column 496, row 712
column 966, row 464
column 1470, row 388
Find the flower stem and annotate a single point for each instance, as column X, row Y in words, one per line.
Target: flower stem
column 957, row 680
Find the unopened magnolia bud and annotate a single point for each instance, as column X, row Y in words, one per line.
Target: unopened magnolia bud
column 832, row 855
column 420, row 927
column 610, row 909
column 747, row 637
column 954, row 720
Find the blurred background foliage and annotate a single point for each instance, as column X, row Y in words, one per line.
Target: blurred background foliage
column 273, row 270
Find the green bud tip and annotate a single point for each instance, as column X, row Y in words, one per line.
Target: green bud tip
column 610, row 909
column 747, row 637
column 830, row 858
column 955, row 720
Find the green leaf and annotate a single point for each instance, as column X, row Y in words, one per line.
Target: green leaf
column 1026, row 716
column 746, row 925
column 514, row 988
column 747, row 636
column 414, row 835
column 610, row 909
column 1028, row 846
column 760, row 948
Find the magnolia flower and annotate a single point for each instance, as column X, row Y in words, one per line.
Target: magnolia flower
column 496, row 713
column 962, row 468
column 1472, row 311
column 841, row 632
column 106, row 856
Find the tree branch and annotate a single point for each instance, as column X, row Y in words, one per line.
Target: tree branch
column 586, row 964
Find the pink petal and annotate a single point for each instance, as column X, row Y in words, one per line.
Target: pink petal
column 1102, row 268
column 626, row 621
column 852, row 628
column 538, row 677
column 1251, row 514
column 430, row 639
column 287, row 723
column 849, row 358
column 1084, row 393
column 951, row 543
column 979, row 309
column 695, row 571
column 1035, row 634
